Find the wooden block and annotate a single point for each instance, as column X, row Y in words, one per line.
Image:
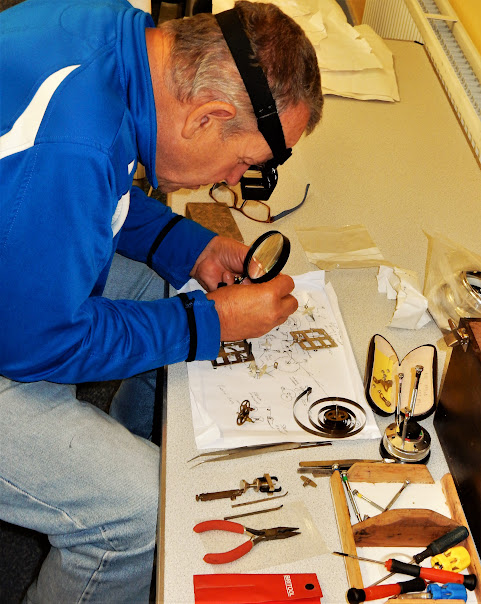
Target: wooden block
column 402, row 528
column 343, row 518
column 457, row 513
column 389, row 472
column 216, row 217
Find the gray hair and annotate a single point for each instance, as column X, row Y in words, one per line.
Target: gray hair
column 203, row 68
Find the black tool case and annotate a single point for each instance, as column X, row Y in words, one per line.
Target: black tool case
column 457, row 421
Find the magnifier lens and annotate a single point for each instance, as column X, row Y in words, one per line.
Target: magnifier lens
column 267, row 257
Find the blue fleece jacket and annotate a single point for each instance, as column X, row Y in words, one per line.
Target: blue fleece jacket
column 76, row 114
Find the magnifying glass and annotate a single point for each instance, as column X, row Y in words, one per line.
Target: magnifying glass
column 266, row 258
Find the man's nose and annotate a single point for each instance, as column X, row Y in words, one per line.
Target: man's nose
column 234, row 177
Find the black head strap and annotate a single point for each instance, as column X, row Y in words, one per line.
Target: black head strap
column 255, row 82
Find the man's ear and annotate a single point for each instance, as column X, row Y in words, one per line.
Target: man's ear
column 206, row 116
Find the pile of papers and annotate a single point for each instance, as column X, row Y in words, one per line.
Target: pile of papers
column 281, row 371
column 354, row 61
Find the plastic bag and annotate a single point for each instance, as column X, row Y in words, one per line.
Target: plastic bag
column 344, row 247
column 453, row 281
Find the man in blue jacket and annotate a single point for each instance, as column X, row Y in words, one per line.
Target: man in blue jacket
column 88, row 88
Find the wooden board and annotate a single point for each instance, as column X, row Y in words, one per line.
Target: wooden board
column 395, row 472
column 402, row 528
column 216, row 217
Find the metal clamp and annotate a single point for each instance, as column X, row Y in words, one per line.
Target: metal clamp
column 457, row 336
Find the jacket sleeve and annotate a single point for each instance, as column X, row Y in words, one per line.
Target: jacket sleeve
column 167, row 242
column 55, row 241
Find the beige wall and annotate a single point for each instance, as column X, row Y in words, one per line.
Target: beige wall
column 469, row 12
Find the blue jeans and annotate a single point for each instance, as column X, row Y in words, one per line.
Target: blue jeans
column 78, row 475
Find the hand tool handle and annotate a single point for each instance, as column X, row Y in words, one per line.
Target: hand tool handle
column 442, row 544
column 450, row 591
column 219, row 525
column 234, row 554
column 383, row 591
column 431, row 574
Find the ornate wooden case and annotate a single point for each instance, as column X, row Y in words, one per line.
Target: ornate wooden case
column 383, row 370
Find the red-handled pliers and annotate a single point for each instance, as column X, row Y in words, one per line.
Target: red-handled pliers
column 256, row 536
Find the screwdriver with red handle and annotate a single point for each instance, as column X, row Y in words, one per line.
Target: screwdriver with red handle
column 355, row 595
column 429, row 574
column 438, row 546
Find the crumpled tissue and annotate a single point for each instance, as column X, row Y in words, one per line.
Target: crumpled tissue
column 411, row 307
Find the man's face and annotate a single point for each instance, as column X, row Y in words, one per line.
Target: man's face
column 208, row 158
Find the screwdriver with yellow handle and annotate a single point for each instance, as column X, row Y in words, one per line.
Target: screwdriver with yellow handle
column 428, row 574
column 455, row 559
column 438, row 546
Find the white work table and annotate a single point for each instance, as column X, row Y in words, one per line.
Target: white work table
column 399, row 169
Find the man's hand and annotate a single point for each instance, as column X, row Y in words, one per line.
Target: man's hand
column 221, row 260
column 250, row 311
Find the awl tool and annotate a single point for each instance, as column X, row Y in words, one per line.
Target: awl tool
column 438, row 546
column 355, row 595
column 429, row 574
column 450, row 591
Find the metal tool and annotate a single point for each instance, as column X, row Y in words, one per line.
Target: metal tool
column 355, row 595
column 256, row 536
column 410, row 411
column 237, row 505
column 429, row 574
column 398, row 405
column 253, row 513
column 438, row 546
column 239, row 452
column 450, row 591
column 455, row 559
column 396, row 496
column 373, row 503
column 345, row 481
column 407, row 441
column 264, row 484
column 326, row 468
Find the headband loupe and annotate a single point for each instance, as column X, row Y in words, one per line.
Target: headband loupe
column 263, row 179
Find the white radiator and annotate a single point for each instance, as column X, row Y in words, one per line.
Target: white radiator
column 391, row 19
column 454, row 56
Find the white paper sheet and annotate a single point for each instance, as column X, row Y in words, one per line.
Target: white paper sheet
column 368, row 84
column 285, row 370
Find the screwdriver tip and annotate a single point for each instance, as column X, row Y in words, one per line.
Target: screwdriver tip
column 340, row 554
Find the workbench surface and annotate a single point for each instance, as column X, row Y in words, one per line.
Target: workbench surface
column 398, row 169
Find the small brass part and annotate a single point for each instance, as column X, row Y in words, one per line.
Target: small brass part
column 231, row 353
column 385, row 383
column 384, row 399
column 313, row 339
column 308, row 482
column 243, row 413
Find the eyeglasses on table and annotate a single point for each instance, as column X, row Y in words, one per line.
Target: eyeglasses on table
column 256, row 210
